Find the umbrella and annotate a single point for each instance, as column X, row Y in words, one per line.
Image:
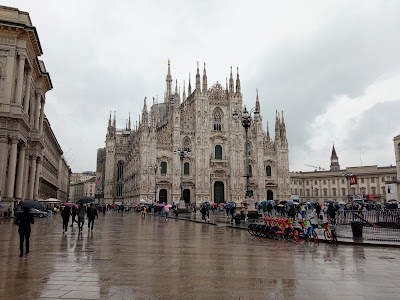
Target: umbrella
column 86, row 200
column 142, row 200
column 264, row 202
column 168, row 206
column 392, row 200
column 280, row 205
column 161, row 205
column 359, row 201
column 31, row 204
column 290, row 203
column 283, row 202
column 246, row 202
column 3, row 205
column 69, row 204
column 329, row 201
column 342, row 203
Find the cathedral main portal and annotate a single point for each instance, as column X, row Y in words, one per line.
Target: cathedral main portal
column 219, row 195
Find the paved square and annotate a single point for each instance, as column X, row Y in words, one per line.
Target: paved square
column 129, row 257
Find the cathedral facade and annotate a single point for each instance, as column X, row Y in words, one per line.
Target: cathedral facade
column 188, row 148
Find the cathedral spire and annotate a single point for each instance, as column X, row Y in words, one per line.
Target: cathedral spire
column 176, row 87
column 184, row 92
column 268, row 137
column 238, row 83
column 109, row 120
column 129, row 123
column 115, row 118
column 226, row 84
column 169, row 80
column 231, row 83
column 189, row 87
column 198, row 90
column 257, row 103
column 204, row 79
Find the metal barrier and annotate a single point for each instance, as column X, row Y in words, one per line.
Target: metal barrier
column 378, row 225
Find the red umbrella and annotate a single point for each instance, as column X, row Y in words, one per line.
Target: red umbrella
column 69, row 204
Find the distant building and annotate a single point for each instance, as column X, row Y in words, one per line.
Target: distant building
column 82, row 189
column 319, row 186
column 77, row 177
column 100, row 171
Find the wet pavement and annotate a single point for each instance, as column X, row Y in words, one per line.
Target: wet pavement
column 129, row 257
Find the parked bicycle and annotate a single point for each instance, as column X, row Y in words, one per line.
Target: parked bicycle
column 306, row 234
column 330, row 233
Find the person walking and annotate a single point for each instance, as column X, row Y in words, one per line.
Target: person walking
column 227, row 209
column 203, row 211
column 24, row 221
column 144, row 210
column 303, row 211
column 166, row 210
column 246, row 212
column 91, row 214
column 194, row 208
column 81, row 216
column 160, row 209
column 73, row 214
column 232, row 212
column 65, row 214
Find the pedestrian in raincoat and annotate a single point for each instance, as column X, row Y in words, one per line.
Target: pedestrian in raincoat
column 203, row 211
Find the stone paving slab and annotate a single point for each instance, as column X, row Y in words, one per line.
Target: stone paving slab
column 130, row 257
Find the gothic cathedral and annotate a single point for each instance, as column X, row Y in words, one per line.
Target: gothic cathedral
column 190, row 149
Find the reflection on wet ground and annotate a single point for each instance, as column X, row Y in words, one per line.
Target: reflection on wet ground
column 131, row 257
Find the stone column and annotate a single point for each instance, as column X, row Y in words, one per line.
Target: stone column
column 11, row 167
column 41, row 116
column 38, row 169
column 20, row 172
column 32, row 177
column 20, row 79
column 28, row 91
column 3, row 162
column 25, row 181
column 37, row 111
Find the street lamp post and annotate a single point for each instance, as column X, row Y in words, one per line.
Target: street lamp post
column 348, row 175
column 182, row 152
column 246, row 122
column 155, row 168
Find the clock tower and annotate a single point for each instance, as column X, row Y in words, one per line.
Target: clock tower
column 334, row 160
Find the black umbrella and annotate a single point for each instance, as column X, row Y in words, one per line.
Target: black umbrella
column 31, row 204
column 283, row 202
column 86, row 200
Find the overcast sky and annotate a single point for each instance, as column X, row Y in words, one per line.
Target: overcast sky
column 332, row 66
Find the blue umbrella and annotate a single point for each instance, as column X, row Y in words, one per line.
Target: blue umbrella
column 264, row 202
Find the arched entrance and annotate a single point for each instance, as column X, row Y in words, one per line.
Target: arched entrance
column 219, row 196
column 186, row 195
column 270, row 195
column 163, row 196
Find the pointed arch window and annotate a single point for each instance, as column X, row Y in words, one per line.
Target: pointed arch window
column 218, row 152
column 186, row 144
column 250, row 170
column 120, row 178
column 268, row 171
column 163, row 167
column 217, row 120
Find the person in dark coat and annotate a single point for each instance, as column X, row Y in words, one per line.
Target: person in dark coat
column 91, row 214
column 24, row 221
column 232, row 212
column 73, row 214
column 332, row 213
column 65, row 213
column 81, row 216
column 203, row 211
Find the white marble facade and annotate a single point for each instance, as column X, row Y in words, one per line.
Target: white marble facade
column 214, row 169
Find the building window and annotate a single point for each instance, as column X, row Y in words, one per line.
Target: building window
column 315, row 182
column 383, row 190
column 372, row 180
column 307, row 182
column 186, row 168
column 249, row 148
column 333, row 181
column 316, row 192
column 324, row 181
column 218, row 152
column 163, row 167
column 334, row 192
column 250, row 170
column 120, row 178
column 342, row 181
column 295, row 191
column 325, row 192
column 383, row 179
column 353, row 191
column 343, row 192
column 373, row 189
column 308, row 192
column 362, row 180
column 217, row 121
column 186, row 145
column 268, row 169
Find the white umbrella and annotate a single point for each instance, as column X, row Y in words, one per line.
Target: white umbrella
column 142, row 200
